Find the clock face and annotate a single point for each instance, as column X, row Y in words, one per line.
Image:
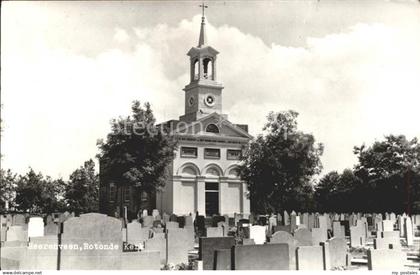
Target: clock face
column 209, row 100
column 191, row 101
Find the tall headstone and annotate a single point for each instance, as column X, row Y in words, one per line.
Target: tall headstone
column 257, row 233
column 283, row 237
column 309, row 258
column 409, row 234
column 286, row 218
column 293, row 221
column 36, row 227
column 335, row 253
column 319, row 235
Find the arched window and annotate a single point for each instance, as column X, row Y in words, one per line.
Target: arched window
column 196, row 73
column 208, row 68
column 212, row 128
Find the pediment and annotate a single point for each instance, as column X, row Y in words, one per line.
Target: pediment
column 213, row 125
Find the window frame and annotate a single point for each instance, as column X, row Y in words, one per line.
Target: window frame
column 212, row 157
column 231, row 158
column 188, row 156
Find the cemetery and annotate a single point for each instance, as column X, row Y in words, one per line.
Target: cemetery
column 286, row 241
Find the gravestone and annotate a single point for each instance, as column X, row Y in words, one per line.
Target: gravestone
column 188, row 221
column 385, row 259
column 279, row 219
column 335, row 253
column 155, row 213
column 222, row 259
column 357, row 236
column 257, row 233
column 409, row 232
column 157, row 243
column 172, row 225
column 214, row 232
column 136, row 234
column 319, row 235
column 36, row 227
column 208, row 246
column 51, row 229
column 322, row 222
column 19, row 219
column 16, row 233
column 42, row 254
column 309, row 258
column 225, row 228
column 303, row 236
column 388, row 225
column 286, row 218
column 284, row 237
column 311, row 221
column 386, row 243
column 93, row 230
column 272, row 221
column 260, row 257
column 178, row 244
column 394, row 235
column 305, row 220
column 293, row 221
column 337, row 230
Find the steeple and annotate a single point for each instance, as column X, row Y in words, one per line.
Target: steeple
column 203, row 95
column 202, row 39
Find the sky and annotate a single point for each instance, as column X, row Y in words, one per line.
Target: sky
column 351, row 69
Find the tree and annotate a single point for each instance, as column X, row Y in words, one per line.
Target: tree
column 36, row 194
column 82, row 191
column 390, row 172
column 279, row 165
column 326, row 192
column 338, row 192
column 136, row 153
column 7, row 189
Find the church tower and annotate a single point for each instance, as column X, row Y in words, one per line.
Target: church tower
column 203, row 95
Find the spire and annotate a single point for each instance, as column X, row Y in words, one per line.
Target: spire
column 202, row 39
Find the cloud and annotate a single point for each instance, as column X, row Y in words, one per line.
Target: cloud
column 349, row 87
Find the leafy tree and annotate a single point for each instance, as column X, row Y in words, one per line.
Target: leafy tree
column 279, row 165
column 338, row 192
column 38, row 194
column 326, row 192
column 7, row 189
column 136, row 153
column 82, row 191
column 390, row 172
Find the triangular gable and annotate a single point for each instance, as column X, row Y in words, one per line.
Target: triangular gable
column 226, row 128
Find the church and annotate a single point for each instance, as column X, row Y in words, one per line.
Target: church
column 203, row 175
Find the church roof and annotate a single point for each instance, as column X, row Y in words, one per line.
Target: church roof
column 227, row 129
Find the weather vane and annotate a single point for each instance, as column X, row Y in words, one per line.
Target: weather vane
column 203, row 7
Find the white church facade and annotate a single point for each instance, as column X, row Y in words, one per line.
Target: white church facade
column 204, row 173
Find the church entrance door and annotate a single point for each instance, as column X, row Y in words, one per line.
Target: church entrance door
column 212, row 198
